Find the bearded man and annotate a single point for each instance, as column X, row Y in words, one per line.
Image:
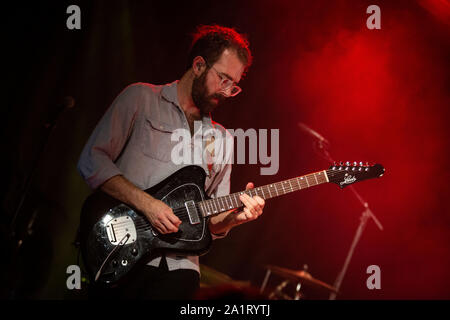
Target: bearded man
column 130, row 150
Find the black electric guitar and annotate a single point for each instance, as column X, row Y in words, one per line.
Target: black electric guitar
column 114, row 236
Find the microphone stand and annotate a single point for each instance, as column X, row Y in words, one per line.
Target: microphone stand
column 15, row 236
column 49, row 127
column 365, row 215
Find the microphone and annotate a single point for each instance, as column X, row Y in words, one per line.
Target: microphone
column 311, row 132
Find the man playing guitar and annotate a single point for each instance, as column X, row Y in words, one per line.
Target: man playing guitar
column 130, row 151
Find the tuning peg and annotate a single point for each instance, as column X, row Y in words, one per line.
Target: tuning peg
column 355, row 163
column 347, row 163
column 360, row 164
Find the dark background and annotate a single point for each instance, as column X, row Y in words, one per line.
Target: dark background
column 376, row 95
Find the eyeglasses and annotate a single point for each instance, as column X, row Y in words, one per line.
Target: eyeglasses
column 226, row 84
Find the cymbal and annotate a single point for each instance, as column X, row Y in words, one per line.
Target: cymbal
column 300, row 276
column 212, row 277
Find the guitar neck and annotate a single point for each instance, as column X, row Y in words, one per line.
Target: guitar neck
column 215, row 206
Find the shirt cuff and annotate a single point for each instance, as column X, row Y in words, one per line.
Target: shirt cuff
column 102, row 175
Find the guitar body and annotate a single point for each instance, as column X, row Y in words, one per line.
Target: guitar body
column 115, row 237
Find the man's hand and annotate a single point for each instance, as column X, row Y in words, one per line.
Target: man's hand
column 157, row 212
column 161, row 216
column 253, row 208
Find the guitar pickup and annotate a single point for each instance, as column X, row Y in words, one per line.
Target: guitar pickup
column 192, row 212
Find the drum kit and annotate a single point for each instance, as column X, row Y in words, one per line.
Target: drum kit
column 290, row 287
column 290, row 277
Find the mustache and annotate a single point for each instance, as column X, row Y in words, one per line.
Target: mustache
column 219, row 97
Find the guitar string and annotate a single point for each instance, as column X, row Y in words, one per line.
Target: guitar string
column 214, row 203
column 278, row 187
column 182, row 212
column 142, row 224
column 185, row 214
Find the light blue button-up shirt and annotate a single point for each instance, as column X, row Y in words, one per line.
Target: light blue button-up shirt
column 133, row 139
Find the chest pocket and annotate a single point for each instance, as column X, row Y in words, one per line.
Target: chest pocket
column 157, row 143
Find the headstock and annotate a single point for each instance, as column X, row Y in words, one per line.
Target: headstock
column 344, row 174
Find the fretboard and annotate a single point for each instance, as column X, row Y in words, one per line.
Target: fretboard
column 215, row 206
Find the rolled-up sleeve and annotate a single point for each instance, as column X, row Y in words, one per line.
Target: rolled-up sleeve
column 96, row 163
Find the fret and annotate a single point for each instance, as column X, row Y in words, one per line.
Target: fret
column 326, row 176
column 266, row 192
column 270, row 193
column 315, row 178
column 208, row 206
column 218, row 204
column 236, row 199
column 202, row 209
column 205, row 211
column 224, row 201
column 292, row 189
column 229, row 204
column 321, row 177
column 299, row 185
column 245, row 192
column 306, row 179
column 213, row 204
column 224, row 204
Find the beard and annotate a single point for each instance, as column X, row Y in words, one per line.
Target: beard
column 204, row 102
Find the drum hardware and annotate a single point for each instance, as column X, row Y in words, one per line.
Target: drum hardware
column 300, row 277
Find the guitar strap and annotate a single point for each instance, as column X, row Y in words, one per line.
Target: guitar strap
column 210, row 154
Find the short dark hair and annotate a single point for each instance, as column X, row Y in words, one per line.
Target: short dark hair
column 209, row 42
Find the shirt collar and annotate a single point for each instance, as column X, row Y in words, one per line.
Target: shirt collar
column 170, row 93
